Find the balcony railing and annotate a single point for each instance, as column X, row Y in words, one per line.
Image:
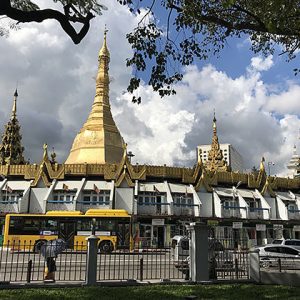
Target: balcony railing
column 86, row 205
column 153, row 208
column 59, row 205
column 232, row 211
column 294, row 214
column 257, row 212
column 184, row 209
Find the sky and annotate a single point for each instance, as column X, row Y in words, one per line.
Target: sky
column 255, row 98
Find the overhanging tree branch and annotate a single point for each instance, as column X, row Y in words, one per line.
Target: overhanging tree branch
column 44, row 14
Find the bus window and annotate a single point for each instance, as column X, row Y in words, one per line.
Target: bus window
column 20, row 225
column 84, row 225
column 50, row 226
column 106, row 225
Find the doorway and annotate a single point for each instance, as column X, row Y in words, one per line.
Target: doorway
column 158, row 236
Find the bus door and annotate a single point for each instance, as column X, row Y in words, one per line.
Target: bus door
column 67, row 232
column 123, row 234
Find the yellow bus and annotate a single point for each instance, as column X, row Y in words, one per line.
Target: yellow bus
column 25, row 231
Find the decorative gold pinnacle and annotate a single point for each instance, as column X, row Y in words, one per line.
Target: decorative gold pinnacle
column 99, row 141
column 215, row 160
column 11, row 150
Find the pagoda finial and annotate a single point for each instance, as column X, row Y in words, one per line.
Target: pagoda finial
column 11, row 149
column 215, row 159
column 14, row 108
column 214, row 124
column 104, row 50
column 295, row 150
column 262, row 165
column 45, row 155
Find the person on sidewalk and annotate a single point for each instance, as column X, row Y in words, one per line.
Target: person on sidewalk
column 50, row 250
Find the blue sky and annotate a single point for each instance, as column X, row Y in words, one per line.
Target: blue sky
column 256, row 98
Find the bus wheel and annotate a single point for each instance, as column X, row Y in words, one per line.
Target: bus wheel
column 106, row 247
column 37, row 245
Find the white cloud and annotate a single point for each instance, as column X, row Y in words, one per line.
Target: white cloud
column 285, row 102
column 258, row 63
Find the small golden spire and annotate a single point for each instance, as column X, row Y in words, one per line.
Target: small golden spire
column 262, row 165
column 45, row 155
column 214, row 124
column 104, row 50
column 215, row 156
column 11, row 149
column 53, row 156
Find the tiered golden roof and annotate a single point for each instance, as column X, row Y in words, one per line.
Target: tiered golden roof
column 11, row 150
column 99, row 141
column 215, row 160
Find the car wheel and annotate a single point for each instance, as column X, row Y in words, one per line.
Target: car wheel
column 265, row 264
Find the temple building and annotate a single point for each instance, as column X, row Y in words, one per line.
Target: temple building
column 253, row 208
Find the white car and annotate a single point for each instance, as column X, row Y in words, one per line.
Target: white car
column 288, row 242
column 270, row 255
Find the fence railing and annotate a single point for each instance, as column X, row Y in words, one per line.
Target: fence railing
column 280, row 264
column 25, row 263
column 49, row 260
column 140, row 264
column 230, row 265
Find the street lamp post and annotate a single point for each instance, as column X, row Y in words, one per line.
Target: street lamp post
column 270, row 163
column 130, row 155
column 236, row 236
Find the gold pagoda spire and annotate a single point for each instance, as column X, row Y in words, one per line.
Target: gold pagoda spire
column 99, row 141
column 215, row 160
column 11, row 149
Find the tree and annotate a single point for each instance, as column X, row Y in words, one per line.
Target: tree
column 74, row 11
column 172, row 33
column 199, row 28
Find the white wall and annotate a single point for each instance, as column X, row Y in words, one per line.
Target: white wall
column 272, row 203
column 206, row 207
column 37, row 197
column 124, row 199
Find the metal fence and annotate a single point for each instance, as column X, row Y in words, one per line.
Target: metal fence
column 280, row 264
column 229, row 265
column 26, row 263
column 140, row 264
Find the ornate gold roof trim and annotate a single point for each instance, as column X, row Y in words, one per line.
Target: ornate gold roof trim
column 268, row 187
column 124, row 176
column 204, row 181
column 197, row 176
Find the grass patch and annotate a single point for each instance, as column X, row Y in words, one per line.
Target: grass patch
column 157, row 292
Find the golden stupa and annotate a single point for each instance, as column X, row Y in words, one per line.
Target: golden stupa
column 99, row 141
